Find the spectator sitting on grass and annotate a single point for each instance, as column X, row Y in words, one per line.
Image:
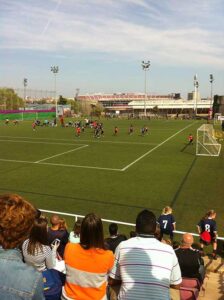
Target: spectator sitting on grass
column 58, row 231
column 115, row 239
column 17, row 280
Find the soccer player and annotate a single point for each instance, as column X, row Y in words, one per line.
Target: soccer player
column 166, row 222
column 115, row 130
column 143, row 131
column 34, row 125
column 78, row 131
column 131, row 130
column 208, row 232
column 146, row 129
column 190, row 139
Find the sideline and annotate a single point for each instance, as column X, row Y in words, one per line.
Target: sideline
column 111, row 221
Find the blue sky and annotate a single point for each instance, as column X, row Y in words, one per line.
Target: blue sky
column 99, row 45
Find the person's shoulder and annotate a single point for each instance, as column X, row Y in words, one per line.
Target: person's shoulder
column 121, row 237
column 128, row 242
column 108, row 253
column 164, row 247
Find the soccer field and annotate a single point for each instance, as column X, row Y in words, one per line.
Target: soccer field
column 114, row 176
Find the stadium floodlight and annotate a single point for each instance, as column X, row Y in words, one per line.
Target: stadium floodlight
column 145, row 67
column 196, row 85
column 211, row 79
column 25, row 83
column 55, row 70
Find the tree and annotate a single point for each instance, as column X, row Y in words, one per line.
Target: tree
column 62, row 100
column 9, row 100
column 216, row 105
column 97, row 109
column 75, row 106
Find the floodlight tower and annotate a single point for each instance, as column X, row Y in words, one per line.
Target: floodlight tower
column 211, row 79
column 145, row 67
column 196, row 85
column 55, row 70
column 25, row 82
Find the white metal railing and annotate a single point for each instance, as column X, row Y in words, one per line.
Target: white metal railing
column 110, row 221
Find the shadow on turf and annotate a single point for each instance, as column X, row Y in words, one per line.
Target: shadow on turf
column 183, row 182
column 186, row 147
column 82, row 199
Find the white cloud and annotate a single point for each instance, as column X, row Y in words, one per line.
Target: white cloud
column 68, row 27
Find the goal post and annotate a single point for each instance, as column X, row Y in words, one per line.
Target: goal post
column 206, row 144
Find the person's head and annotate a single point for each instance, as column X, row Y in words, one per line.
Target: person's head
column 55, row 221
column 91, row 235
column 77, row 227
column 146, row 222
column 211, row 214
column 62, row 225
column 39, row 230
column 113, row 229
column 187, row 240
column 167, row 210
column 16, row 220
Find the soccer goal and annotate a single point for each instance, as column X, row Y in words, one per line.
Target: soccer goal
column 218, row 118
column 206, row 143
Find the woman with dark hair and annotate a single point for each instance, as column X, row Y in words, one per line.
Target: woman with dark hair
column 74, row 236
column 87, row 263
column 36, row 251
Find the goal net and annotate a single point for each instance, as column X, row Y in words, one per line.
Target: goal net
column 207, row 144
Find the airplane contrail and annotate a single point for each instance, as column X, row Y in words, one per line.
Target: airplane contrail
column 51, row 18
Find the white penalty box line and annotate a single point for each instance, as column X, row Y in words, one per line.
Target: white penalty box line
column 156, row 147
column 41, row 162
column 59, row 154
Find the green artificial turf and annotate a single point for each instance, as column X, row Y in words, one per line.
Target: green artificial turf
column 90, row 179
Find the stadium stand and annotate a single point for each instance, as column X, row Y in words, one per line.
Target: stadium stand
column 212, row 287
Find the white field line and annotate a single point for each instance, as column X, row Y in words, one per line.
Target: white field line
column 85, row 167
column 31, row 142
column 108, row 221
column 89, row 141
column 59, row 154
column 59, row 165
column 159, row 145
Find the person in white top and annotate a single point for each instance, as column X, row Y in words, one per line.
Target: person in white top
column 74, row 236
column 36, row 251
column 145, row 267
